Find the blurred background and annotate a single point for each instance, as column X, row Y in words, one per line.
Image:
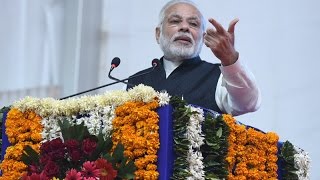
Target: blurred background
column 55, row 48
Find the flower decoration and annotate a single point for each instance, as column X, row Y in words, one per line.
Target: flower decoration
column 47, row 107
column 296, row 162
column 199, row 142
column 251, row 153
column 302, row 162
column 23, row 129
column 78, row 154
column 136, row 127
column 116, row 136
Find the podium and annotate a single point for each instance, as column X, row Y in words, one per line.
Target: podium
column 185, row 135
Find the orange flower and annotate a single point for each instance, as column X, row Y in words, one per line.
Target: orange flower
column 136, row 127
column 22, row 128
column 151, row 167
column 251, row 154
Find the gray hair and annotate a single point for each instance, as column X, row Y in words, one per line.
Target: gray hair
column 173, row 2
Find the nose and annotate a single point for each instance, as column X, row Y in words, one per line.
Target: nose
column 184, row 27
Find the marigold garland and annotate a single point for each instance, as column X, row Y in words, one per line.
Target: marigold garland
column 22, row 128
column 136, row 127
column 252, row 154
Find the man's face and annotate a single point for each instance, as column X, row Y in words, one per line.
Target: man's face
column 180, row 36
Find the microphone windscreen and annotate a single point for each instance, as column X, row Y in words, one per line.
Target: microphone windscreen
column 115, row 62
column 155, row 62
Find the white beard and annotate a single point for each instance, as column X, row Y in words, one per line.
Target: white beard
column 176, row 51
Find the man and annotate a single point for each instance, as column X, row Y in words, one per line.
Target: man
column 226, row 88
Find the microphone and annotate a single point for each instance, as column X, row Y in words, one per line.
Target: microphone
column 155, row 63
column 115, row 63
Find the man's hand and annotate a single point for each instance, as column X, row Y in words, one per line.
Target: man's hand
column 221, row 42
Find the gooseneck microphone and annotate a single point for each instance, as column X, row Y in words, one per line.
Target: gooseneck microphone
column 115, row 62
column 155, row 62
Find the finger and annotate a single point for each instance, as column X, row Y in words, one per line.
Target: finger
column 210, row 41
column 217, row 25
column 232, row 25
column 206, row 43
column 211, row 32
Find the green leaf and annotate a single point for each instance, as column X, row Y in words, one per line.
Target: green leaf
column 2, row 111
column 108, row 157
column 211, row 176
column 212, row 145
column 127, row 169
column 30, row 156
column 78, row 132
column 287, row 156
column 219, row 132
column 215, row 148
column 102, row 146
column 118, row 153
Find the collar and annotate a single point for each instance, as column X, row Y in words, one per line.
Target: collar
column 170, row 66
column 191, row 61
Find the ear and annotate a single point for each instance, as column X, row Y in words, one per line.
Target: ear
column 203, row 35
column 157, row 34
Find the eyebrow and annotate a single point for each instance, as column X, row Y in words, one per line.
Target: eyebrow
column 180, row 17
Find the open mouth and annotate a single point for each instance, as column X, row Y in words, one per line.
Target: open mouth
column 183, row 39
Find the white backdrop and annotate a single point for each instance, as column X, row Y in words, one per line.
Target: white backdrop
column 71, row 43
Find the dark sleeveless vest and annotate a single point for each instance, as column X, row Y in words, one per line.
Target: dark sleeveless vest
column 195, row 80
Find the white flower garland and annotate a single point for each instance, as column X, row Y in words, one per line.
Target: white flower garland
column 51, row 129
column 302, row 162
column 196, row 139
column 49, row 107
column 100, row 117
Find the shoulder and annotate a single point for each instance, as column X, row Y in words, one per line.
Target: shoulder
column 208, row 65
column 204, row 62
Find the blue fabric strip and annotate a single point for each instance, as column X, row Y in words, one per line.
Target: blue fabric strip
column 166, row 152
column 5, row 141
column 280, row 162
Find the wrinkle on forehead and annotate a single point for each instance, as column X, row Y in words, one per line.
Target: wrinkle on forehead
column 182, row 10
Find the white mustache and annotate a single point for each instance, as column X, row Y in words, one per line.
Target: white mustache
column 183, row 34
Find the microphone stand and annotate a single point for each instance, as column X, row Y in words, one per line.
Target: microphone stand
column 92, row 89
column 116, row 81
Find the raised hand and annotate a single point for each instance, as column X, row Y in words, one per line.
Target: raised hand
column 221, row 42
